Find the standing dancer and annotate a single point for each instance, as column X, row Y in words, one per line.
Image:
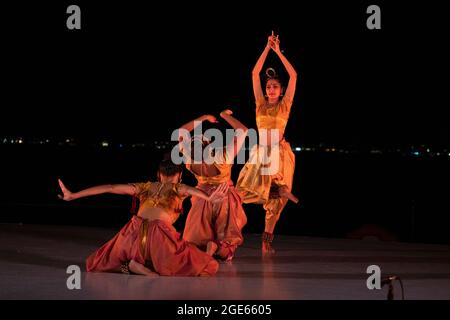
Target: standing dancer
column 148, row 244
column 215, row 227
column 273, row 189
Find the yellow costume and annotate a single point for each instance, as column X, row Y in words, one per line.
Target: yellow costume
column 253, row 184
column 163, row 195
column 223, row 166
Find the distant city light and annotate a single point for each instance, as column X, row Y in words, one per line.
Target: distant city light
column 411, row 150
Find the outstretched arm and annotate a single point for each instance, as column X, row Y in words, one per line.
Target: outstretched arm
column 290, row 90
column 107, row 188
column 241, row 132
column 257, row 89
column 216, row 196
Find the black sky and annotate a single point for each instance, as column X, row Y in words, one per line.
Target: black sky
column 136, row 72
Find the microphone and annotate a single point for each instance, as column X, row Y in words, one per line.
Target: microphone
column 388, row 280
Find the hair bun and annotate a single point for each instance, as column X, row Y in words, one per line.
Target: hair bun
column 271, row 73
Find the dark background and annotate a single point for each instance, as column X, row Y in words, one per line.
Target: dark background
column 135, row 72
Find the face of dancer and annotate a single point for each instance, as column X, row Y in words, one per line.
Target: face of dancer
column 273, row 89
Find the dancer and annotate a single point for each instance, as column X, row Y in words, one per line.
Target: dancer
column 148, row 244
column 274, row 189
column 216, row 227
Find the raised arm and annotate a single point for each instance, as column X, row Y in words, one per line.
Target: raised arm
column 216, row 196
column 191, row 125
column 257, row 89
column 241, row 132
column 67, row 195
column 290, row 90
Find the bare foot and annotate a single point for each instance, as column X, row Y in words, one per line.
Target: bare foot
column 284, row 192
column 267, row 249
column 138, row 268
column 211, row 248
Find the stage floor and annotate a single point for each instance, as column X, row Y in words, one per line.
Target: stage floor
column 34, row 261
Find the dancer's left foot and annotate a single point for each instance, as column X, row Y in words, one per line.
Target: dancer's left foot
column 266, row 248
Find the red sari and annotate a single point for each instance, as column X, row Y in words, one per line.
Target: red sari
column 155, row 243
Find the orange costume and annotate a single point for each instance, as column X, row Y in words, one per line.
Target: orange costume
column 219, row 222
column 153, row 242
column 255, row 186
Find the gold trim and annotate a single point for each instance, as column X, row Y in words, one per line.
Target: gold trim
column 143, row 237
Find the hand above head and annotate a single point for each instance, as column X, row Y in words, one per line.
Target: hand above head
column 274, row 43
column 67, row 194
column 226, row 112
column 272, row 38
column 210, row 118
